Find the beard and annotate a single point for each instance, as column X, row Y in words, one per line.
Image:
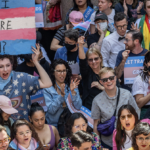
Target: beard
column 130, row 47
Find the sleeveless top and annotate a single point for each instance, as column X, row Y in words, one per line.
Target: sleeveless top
column 52, row 141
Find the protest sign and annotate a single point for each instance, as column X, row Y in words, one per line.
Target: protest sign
column 75, row 68
column 132, row 68
column 39, row 16
column 86, row 112
column 88, row 12
column 17, row 26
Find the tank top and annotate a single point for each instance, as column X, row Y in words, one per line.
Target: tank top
column 52, row 141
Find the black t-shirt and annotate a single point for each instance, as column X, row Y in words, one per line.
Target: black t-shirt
column 92, row 39
column 72, row 57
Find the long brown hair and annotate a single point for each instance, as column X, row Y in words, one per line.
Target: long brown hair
column 22, row 122
column 121, row 134
column 135, row 2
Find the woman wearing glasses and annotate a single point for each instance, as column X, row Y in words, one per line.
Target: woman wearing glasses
column 141, row 137
column 127, row 119
column 90, row 65
column 56, row 95
column 24, row 137
column 75, row 123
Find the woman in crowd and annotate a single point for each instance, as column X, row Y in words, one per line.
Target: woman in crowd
column 48, row 134
column 141, row 88
column 77, row 122
column 24, row 137
column 105, row 6
column 141, row 137
column 127, row 119
column 132, row 8
column 90, row 65
column 56, row 95
column 6, row 110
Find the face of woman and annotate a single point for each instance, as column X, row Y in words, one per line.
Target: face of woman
column 23, row 135
column 143, row 142
column 94, row 61
column 148, row 8
column 79, row 124
column 104, row 5
column 5, row 68
column 127, row 120
column 5, row 116
column 38, row 120
column 60, row 73
column 81, row 2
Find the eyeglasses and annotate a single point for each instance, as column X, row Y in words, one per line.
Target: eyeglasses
column 79, row 127
column 120, row 27
column 94, row 59
column 140, row 139
column 127, row 40
column 124, row 117
column 7, row 140
column 25, row 133
column 106, row 79
column 61, row 71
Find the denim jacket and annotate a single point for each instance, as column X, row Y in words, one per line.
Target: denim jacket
column 54, row 103
column 62, row 53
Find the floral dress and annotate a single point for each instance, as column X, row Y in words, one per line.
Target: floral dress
column 65, row 143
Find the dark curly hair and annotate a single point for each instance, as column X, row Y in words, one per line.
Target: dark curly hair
column 22, row 122
column 140, row 128
column 70, row 122
column 121, row 134
column 52, row 69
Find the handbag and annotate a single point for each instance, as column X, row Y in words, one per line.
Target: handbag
column 106, row 128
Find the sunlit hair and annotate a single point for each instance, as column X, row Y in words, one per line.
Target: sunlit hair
column 121, row 134
column 105, row 70
column 140, row 128
column 2, row 128
column 95, row 51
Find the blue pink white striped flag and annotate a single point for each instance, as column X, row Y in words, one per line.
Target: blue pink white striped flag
column 84, row 25
column 17, row 26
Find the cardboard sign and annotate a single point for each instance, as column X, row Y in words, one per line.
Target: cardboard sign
column 17, row 26
column 88, row 12
column 39, row 16
column 132, row 68
column 86, row 112
column 75, row 68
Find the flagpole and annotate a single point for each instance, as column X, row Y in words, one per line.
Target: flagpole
column 86, row 30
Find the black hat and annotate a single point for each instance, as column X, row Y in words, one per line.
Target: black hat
column 100, row 16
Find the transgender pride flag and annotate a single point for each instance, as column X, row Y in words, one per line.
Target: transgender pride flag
column 17, row 26
column 84, row 25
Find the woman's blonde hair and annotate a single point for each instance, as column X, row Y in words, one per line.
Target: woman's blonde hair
column 105, row 70
column 95, row 51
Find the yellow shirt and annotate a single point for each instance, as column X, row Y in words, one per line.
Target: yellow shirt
column 130, row 148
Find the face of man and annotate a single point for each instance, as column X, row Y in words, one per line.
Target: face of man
column 121, row 27
column 84, row 146
column 129, row 43
column 4, row 143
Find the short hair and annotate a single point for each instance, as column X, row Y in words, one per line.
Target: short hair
column 119, row 16
column 2, row 128
column 80, row 137
column 72, row 34
column 105, row 70
column 136, row 35
column 10, row 57
column 145, row 3
column 140, row 128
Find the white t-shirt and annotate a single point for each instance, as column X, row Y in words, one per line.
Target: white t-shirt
column 128, row 142
column 138, row 22
column 140, row 87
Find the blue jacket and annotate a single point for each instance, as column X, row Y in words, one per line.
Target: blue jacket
column 62, row 53
column 54, row 103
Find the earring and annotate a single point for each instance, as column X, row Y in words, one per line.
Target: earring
column 121, row 127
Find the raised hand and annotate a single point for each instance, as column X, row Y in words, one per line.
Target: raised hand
column 74, row 84
column 125, row 54
column 35, row 55
column 81, row 40
column 101, row 32
column 140, row 6
column 135, row 27
column 62, row 88
column 125, row 7
column 97, row 85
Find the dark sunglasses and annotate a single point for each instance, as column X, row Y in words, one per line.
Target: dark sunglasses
column 94, row 59
column 128, row 116
column 106, row 79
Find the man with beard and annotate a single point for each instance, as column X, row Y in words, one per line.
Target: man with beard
column 132, row 42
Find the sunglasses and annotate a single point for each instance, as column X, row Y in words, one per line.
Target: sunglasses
column 106, row 79
column 94, row 59
column 124, row 117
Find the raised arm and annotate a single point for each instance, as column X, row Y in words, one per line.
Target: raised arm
column 55, row 45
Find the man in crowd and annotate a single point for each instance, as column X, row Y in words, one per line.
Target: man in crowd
column 81, row 141
column 101, row 21
column 4, row 139
column 75, row 17
column 132, row 43
column 113, row 43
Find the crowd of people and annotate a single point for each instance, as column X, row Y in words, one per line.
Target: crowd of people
column 88, row 66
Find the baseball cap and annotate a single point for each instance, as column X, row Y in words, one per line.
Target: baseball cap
column 75, row 17
column 100, row 16
column 6, row 106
